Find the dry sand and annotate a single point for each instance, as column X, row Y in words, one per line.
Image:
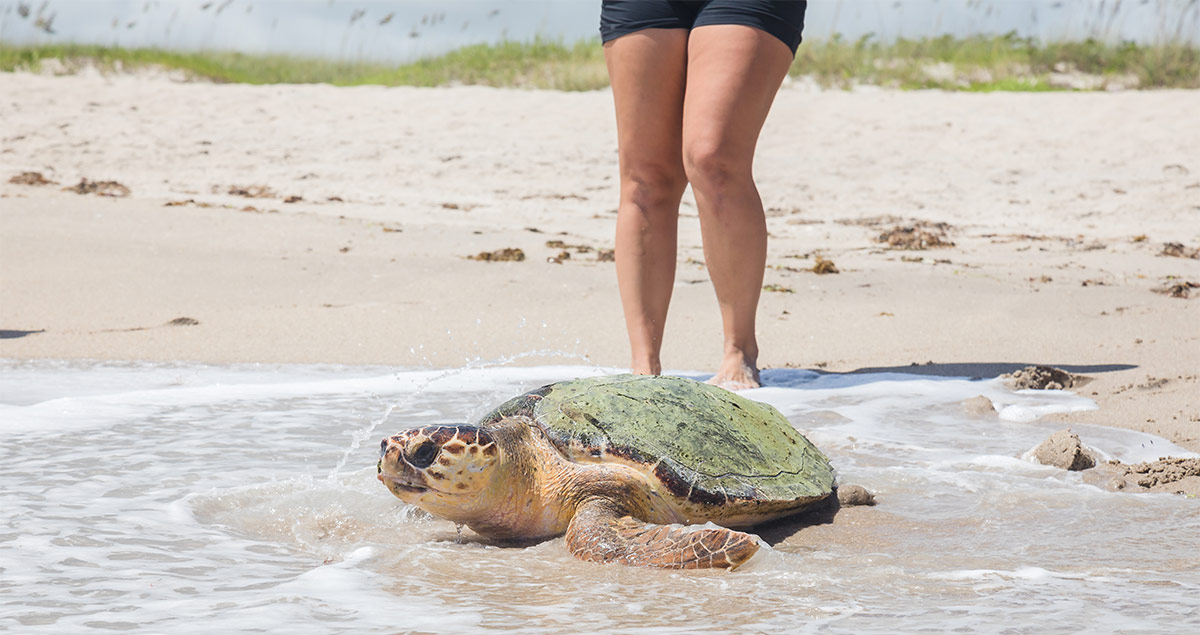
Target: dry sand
column 1058, row 207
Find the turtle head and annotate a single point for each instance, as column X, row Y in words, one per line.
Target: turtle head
column 442, row 469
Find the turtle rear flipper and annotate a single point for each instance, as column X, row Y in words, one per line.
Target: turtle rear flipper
column 599, row 532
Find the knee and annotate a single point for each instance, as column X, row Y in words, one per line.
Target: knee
column 653, row 189
column 714, row 170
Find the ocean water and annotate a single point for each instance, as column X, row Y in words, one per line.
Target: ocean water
column 181, row 498
column 402, row 30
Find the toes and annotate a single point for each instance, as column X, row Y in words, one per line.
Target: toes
column 739, row 376
column 733, row 383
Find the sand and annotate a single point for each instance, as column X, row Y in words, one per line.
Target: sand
column 1065, row 451
column 322, row 224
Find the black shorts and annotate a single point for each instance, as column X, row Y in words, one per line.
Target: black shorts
column 782, row 18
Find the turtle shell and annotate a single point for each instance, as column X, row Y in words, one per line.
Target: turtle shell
column 703, row 443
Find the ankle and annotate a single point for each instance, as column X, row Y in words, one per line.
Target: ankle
column 748, row 354
column 646, row 367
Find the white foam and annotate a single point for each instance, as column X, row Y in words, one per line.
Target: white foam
column 177, row 498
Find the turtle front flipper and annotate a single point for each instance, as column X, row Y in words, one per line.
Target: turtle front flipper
column 600, row 532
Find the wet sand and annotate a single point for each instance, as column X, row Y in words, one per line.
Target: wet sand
column 1058, row 220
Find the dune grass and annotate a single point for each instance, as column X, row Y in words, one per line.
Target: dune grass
column 977, row 63
column 538, row 64
column 1005, row 62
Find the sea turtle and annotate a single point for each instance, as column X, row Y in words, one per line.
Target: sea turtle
column 620, row 464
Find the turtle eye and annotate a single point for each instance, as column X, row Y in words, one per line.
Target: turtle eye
column 423, row 456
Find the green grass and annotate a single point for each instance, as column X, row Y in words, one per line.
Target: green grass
column 1006, row 62
column 538, row 64
column 977, row 63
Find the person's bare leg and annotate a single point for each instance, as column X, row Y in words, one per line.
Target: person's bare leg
column 647, row 70
column 732, row 76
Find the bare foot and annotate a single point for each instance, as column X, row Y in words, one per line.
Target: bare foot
column 737, row 372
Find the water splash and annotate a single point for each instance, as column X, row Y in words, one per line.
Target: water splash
column 357, row 437
column 363, row 434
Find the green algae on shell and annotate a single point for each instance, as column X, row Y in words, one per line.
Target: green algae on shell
column 703, row 443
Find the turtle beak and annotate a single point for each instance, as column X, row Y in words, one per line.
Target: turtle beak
column 393, row 471
column 399, row 486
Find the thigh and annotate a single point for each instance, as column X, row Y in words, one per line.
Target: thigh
column 733, row 74
column 783, row 19
column 622, row 17
column 647, row 70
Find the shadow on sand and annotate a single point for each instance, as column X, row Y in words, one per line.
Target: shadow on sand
column 9, row 334
column 985, row 370
column 974, row 371
column 780, row 529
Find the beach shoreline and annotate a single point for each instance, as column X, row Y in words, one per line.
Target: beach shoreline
column 1058, row 227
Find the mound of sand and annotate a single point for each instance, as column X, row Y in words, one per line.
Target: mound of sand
column 849, row 495
column 978, row 406
column 1168, row 474
column 1043, row 378
column 1064, row 450
column 1173, row 475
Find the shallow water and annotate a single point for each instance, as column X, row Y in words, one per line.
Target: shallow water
column 187, row 498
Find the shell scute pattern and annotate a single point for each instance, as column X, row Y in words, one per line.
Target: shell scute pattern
column 703, row 444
